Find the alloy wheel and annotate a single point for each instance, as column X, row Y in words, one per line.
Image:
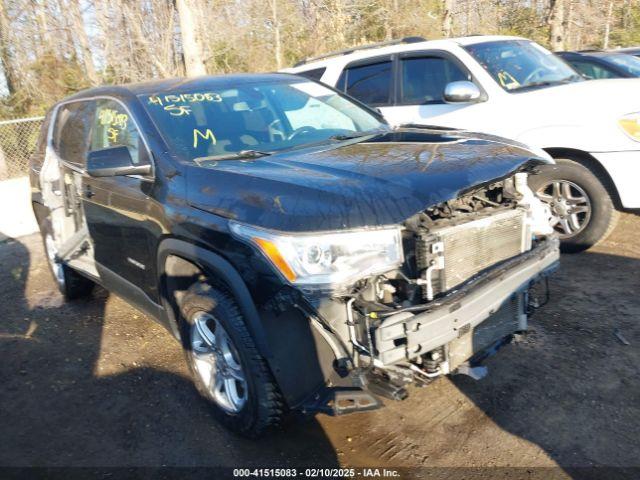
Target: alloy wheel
column 217, row 363
column 570, row 206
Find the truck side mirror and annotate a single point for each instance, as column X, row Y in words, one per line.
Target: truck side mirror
column 461, row 92
column 113, row 162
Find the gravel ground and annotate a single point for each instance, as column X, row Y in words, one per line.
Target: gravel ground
column 95, row 383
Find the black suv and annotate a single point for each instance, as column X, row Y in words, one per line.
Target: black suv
column 308, row 256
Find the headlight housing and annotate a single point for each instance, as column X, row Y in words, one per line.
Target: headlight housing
column 631, row 125
column 327, row 260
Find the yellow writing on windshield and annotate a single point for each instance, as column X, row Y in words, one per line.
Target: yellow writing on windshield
column 178, row 110
column 108, row 116
column 112, row 135
column 207, row 135
column 162, row 100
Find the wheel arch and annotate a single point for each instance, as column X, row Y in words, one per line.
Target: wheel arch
column 293, row 349
column 592, row 164
column 181, row 263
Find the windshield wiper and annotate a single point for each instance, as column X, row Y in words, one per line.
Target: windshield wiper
column 349, row 136
column 426, row 127
column 242, row 154
column 548, row 83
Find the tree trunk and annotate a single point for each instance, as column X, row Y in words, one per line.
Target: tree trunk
column 626, row 17
column 193, row 58
column 607, row 26
column 556, row 25
column 276, row 33
column 447, row 19
column 83, row 40
column 43, row 28
column 6, row 57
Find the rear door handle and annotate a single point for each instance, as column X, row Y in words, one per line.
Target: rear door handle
column 88, row 193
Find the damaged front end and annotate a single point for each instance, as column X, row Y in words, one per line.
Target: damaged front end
column 441, row 292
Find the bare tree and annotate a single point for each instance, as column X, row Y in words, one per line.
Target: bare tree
column 277, row 41
column 447, row 18
column 607, row 26
column 191, row 47
column 80, row 30
column 6, row 56
column 556, row 24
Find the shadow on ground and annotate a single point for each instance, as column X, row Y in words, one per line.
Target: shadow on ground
column 69, row 400
column 572, row 387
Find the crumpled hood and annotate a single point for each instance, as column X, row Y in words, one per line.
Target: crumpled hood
column 382, row 181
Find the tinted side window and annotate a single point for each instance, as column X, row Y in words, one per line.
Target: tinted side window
column 72, row 131
column 593, row 70
column 424, row 79
column 371, row 84
column 315, row 74
column 113, row 127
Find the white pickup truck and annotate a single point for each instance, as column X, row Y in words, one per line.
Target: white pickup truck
column 514, row 88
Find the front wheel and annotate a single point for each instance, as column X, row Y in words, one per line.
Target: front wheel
column 225, row 364
column 582, row 209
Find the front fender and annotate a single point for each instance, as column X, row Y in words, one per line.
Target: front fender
column 299, row 358
column 595, row 137
column 221, row 269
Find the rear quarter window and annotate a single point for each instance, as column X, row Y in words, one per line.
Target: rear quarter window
column 315, row 74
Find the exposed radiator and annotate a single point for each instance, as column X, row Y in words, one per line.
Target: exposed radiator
column 458, row 252
column 508, row 319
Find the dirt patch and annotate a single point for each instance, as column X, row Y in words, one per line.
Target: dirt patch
column 97, row 383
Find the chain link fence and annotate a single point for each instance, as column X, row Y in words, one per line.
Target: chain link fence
column 17, row 140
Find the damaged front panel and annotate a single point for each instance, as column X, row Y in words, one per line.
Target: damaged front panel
column 469, row 265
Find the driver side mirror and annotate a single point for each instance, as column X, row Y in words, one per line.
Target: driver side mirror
column 461, row 92
column 114, row 162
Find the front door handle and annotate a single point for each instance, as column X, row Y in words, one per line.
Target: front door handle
column 88, row 193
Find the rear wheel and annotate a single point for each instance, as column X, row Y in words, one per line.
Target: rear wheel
column 70, row 283
column 583, row 212
column 225, row 364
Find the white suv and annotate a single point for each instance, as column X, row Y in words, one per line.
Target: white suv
column 514, row 88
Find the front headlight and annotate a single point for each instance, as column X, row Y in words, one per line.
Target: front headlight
column 327, row 259
column 631, row 125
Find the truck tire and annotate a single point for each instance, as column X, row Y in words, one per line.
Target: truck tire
column 70, row 283
column 584, row 213
column 225, row 364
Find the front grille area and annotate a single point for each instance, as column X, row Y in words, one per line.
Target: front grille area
column 470, row 247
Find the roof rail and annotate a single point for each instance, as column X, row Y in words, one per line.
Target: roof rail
column 347, row 51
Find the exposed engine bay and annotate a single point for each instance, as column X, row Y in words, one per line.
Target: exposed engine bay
column 462, row 290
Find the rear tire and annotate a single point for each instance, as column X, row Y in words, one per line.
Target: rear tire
column 580, row 203
column 244, row 396
column 70, row 283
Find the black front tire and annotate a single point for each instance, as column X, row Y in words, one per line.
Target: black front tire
column 264, row 407
column 603, row 215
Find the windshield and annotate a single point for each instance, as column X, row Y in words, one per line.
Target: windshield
column 521, row 64
column 628, row 63
column 255, row 119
